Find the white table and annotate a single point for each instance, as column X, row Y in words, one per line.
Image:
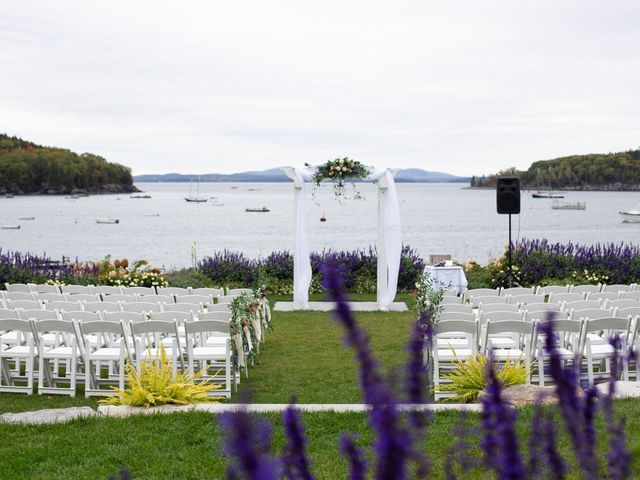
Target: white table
column 451, row 278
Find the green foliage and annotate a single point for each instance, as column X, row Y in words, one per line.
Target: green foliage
column 189, row 277
column 154, row 384
column 469, row 377
column 29, row 168
column 596, row 171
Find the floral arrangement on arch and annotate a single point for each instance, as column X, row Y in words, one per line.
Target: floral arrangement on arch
column 338, row 171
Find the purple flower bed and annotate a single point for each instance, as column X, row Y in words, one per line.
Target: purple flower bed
column 540, row 261
column 357, row 268
column 16, row 267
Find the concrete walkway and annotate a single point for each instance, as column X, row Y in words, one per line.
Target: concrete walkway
column 60, row 415
column 328, row 306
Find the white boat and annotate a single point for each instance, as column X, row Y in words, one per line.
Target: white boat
column 151, row 214
column 26, row 218
column 631, row 216
column 197, row 198
column 263, row 209
column 556, row 205
column 10, row 227
column 108, row 220
column 546, row 194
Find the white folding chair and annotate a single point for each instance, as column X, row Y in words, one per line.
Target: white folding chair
column 25, row 348
column 568, row 345
column 44, row 288
column 553, row 289
column 603, row 297
column 618, row 288
column 524, row 299
column 66, row 349
column 210, row 357
column 75, row 289
column 24, row 304
column 139, row 291
column 181, row 307
column 443, row 316
column 585, row 289
column 63, row 306
column 453, row 340
column 521, row 334
column 105, row 289
column 109, row 349
column 227, row 298
column 218, row 307
column 513, row 291
column 563, row 298
column 481, row 292
column 477, row 301
column 602, row 351
column 461, row 308
column 200, row 299
column 234, row 292
column 50, row 297
column 634, row 295
column 102, row 307
column 120, row 297
column 141, row 307
column 84, row 297
column 157, row 298
column 582, row 305
column 172, row 291
column 147, row 338
column 210, row 292
column 17, row 287
column 14, row 296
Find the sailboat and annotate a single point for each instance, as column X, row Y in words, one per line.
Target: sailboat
column 197, row 198
column 547, row 193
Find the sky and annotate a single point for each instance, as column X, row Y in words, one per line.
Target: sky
column 464, row 87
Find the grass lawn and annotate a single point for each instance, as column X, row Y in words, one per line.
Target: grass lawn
column 303, row 356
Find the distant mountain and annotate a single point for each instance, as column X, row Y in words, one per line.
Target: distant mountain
column 414, row 175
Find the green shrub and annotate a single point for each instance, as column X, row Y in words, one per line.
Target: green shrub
column 469, row 377
column 189, row 277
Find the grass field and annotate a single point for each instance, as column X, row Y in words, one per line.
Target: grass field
column 303, row 357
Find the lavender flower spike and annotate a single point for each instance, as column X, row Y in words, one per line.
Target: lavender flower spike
column 355, row 456
column 295, row 459
column 248, row 443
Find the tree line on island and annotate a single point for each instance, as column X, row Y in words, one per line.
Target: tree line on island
column 27, row 168
column 595, row 171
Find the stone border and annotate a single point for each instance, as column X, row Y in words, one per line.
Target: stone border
column 61, row 415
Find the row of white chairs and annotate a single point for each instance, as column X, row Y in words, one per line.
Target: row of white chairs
column 551, row 290
column 96, row 351
column 582, row 341
column 116, row 297
column 116, row 306
column 111, row 289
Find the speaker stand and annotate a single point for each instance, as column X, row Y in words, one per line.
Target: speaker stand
column 509, row 278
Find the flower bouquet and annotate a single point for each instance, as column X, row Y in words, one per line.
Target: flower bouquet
column 338, row 171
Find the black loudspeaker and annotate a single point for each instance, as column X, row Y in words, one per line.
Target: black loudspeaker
column 508, row 195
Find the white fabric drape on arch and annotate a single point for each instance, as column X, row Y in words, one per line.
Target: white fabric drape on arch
column 389, row 240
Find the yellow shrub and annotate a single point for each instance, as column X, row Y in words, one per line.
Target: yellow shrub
column 156, row 385
column 469, row 377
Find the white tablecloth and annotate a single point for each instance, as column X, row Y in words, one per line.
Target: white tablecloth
column 451, row 278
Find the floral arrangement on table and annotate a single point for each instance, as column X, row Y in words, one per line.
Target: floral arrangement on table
column 138, row 274
column 338, row 171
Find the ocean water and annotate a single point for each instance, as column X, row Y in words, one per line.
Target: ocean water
column 436, row 218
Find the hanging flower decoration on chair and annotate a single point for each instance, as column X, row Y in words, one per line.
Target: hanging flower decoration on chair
column 338, row 171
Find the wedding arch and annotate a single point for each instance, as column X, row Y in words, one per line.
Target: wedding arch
column 389, row 243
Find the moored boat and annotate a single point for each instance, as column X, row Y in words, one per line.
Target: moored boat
column 631, row 216
column 263, row 209
column 541, row 194
column 556, row 205
column 108, row 220
column 10, row 227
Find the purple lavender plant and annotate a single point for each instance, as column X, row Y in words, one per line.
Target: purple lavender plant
column 248, row 446
column 295, row 461
column 355, row 457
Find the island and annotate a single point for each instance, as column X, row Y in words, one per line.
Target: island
column 596, row 171
column 27, row 168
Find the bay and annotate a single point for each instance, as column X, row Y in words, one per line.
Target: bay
column 436, row 218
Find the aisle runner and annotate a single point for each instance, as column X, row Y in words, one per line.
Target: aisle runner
column 355, row 306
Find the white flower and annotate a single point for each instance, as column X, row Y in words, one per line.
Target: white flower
column 344, row 169
column 341, row 161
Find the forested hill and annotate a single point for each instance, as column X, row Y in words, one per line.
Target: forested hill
column 29, row 168
column 595, row 171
